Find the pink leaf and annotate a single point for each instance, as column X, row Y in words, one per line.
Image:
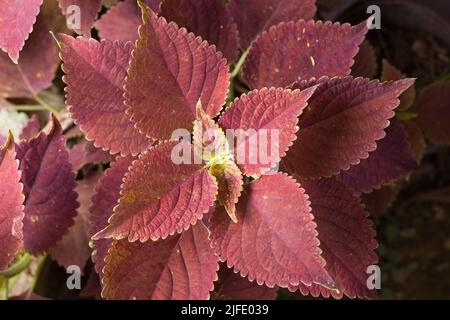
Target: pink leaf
column 49, row 189
column 95, row 75
column 36, row 69
column 209, row 19
column 17, row 21
column 302, row 50
column 160, row 197
column 232, row 286
column 346, row 237
column 433, row 112
column 256, row 16
column 11, row 204
column 85, row 152
column 170, row 71
column 88, row 12
column 342, row 123
column 182, row 267
column 73, row 249
column 391, row 160
column 365, row 62
column 263, row 115
column 275, row 240
column 31, row 129
column 103, row 202
column 416, row 139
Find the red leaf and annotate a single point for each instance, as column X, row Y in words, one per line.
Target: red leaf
column 346, row 237
column 88, row 13
column 103, row 202
column 302, row 50
column 73, row 249
column 170, row 71
column 182, row 267
column 433, row 112
column 159, row 197
column 365, row 62
column 36, row 69
column 274, row 111
column 392, row 160
column 11, row 204
column 95, row 75
column 391, row 73
column 232, row 286
column 342, row 123
column 256, row 16
column 209, row 19
column 17, row 20
column 274, row 241
column 49, row 189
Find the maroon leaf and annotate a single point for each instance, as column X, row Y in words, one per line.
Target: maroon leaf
column 182, row 267
column 365, row 62
column 160, row 197
column 49, row 189
column 170, row 71
column 346, row 237
column 416, row 139
column 95, row 75
column 36, row 69
column 103, row 202
column 391, row 160
column 73, row 249
column 232, row 286
column 31, row 128
column 433, row 112
column 275, row 240
column 262, row 115
column 17, row 21
column 11, row 204
column 391, row 73
column 256, row 16
column 88, row 13
column 378, row 201
column 342, row 123
column 302, row 50
column 209, row 19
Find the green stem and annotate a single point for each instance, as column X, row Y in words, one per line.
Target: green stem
column 18, row 267
column 29, row 108
column 406, row 116
column 46, row 105
column 238, row 66
column 38, row 272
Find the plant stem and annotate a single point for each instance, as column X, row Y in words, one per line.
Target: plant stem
column 29, row 108
column 238, row 66
column 18, row 267
column 46, row 105
column 406, row 116
column 38, row 272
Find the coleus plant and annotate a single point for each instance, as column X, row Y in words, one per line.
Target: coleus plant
column 160, row 226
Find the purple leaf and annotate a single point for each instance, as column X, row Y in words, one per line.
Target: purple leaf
column 49, row 189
